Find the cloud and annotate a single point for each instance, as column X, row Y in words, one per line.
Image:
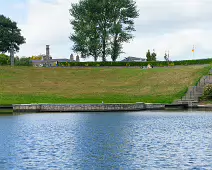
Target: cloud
column 162, row 25
column 47, row 23
column 174, row 26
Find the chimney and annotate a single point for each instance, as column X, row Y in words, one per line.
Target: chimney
column 47, row 52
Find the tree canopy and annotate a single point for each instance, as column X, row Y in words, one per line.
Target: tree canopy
column 102, row 26
column 10, row 35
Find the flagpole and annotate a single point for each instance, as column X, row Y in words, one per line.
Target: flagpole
column 193, row 51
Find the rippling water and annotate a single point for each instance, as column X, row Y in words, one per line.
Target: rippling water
column 148, row 140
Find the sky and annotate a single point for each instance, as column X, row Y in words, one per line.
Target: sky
column 163, row 25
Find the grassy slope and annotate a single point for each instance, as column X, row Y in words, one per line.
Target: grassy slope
column 63, row 85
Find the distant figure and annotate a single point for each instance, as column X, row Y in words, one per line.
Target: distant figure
column 102, row 102
column 57, row 63
column 149, row 66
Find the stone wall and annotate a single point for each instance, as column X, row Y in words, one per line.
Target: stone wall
column 155, row 106
column 78, row 107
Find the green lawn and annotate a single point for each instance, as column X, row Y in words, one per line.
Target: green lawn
column 94, row 85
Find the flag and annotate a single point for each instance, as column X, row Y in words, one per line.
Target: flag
column 193, row 50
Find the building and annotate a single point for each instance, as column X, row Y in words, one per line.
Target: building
column 47, row 61
column 50, row 62
column 134, row 59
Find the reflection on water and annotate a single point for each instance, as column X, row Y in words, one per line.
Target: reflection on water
column 145, row 140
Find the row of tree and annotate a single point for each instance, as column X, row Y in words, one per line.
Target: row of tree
column 102, row 26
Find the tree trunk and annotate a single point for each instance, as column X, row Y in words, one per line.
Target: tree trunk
column 115, row 49
column 104, row 50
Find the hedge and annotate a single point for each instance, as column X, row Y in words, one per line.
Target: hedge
column 140, row 64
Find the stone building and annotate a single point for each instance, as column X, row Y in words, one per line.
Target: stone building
column 48, row 61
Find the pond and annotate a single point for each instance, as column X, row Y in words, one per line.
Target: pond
column 136, row 140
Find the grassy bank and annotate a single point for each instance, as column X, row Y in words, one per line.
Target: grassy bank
column 86, row 85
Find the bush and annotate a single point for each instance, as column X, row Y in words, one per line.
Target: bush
column 171, row 64
column 127, row 64
column 208, row 91
column 4, row 59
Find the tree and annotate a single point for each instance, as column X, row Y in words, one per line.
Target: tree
column 153, row 56
column 39, row 57
column 85, row 36
column 101, row 26
column 23, row 61
column 166, row 57
column 10, row 35
column 123, row 14
column 148, row 56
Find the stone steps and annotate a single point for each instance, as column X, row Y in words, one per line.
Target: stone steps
column 195, row 92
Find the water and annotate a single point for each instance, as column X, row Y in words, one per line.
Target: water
column 148, row 140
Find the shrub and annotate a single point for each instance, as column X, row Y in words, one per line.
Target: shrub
column 208, row 91
column 127, row 64
column 171, row 64
column 4, row 59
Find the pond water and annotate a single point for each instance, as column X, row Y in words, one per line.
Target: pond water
column 138, row 140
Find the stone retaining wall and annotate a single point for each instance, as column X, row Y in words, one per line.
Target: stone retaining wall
column 78, row 107
column 155, row 106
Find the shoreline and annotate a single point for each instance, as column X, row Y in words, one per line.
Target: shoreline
column 42, row 108
column 58, row 108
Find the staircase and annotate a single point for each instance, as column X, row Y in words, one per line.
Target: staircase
column 195, row 92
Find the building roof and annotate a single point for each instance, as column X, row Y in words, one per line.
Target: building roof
column 51, row 60
column 127, row 59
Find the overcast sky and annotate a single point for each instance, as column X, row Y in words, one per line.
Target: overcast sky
column 174, row 25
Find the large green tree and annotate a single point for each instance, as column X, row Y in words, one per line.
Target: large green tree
column 123, row 14
column 102, row 26
column 10, row 35
column 85, row 36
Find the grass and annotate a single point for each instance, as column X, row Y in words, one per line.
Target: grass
column 94, row 85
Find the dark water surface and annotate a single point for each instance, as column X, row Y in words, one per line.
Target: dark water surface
column 145, row 140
